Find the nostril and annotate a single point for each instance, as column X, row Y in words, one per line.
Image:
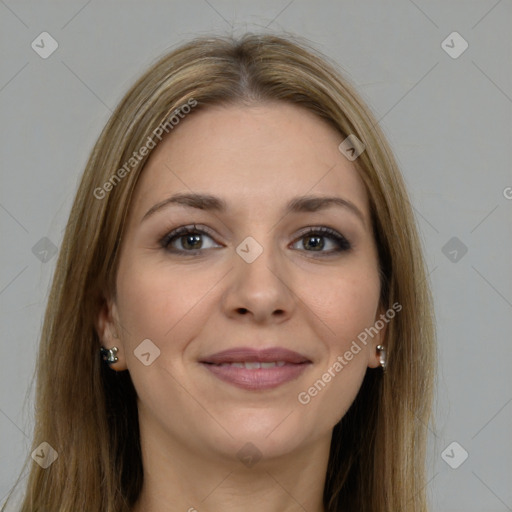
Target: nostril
column 242, row 310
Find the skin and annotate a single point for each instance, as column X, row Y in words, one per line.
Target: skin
column 192, row 424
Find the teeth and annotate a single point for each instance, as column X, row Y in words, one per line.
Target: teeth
column 254, row 365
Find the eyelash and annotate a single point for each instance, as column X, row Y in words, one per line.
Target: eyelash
column 343, row 244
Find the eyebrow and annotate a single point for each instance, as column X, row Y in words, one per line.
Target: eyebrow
column 295, row 205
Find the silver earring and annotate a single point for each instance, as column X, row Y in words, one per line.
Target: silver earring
column 382, row 356
column 109, row 355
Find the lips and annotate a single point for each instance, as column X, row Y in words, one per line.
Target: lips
column 256, row 369
column 242, row 354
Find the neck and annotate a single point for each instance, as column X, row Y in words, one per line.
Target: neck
column 178, row 478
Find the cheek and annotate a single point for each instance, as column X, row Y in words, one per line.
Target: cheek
column 159, row 304
column 347, row 304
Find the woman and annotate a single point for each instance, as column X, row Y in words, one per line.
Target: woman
column 240, row 316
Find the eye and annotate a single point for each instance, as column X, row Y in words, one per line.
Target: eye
column 190, row 238
column 313, row 240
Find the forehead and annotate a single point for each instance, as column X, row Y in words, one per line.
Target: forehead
column 253, row 156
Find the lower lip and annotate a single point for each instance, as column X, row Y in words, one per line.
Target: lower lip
column 258, row 378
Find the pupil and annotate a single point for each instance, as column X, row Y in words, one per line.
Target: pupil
column 317, row 244
column 191, row 239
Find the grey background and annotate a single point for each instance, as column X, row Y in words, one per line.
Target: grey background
column 448, row 120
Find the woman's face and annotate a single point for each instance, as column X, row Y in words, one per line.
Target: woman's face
column 248, row 311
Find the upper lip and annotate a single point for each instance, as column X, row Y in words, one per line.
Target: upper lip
column 243, row 354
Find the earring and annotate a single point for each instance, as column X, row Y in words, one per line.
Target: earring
column 382, row 356
column 109, row 355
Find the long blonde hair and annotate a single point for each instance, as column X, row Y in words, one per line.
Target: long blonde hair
column 88, row 413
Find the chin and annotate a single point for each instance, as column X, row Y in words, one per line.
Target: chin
column 272, row 433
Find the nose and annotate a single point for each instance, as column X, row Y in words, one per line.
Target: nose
column 261, row 290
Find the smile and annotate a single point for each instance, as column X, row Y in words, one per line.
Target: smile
column 256, row 369
column 253, row 365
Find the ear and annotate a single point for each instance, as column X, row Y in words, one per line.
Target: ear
column 380, row 324
column 109, row 332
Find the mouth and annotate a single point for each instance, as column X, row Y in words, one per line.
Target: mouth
column 252, row 369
